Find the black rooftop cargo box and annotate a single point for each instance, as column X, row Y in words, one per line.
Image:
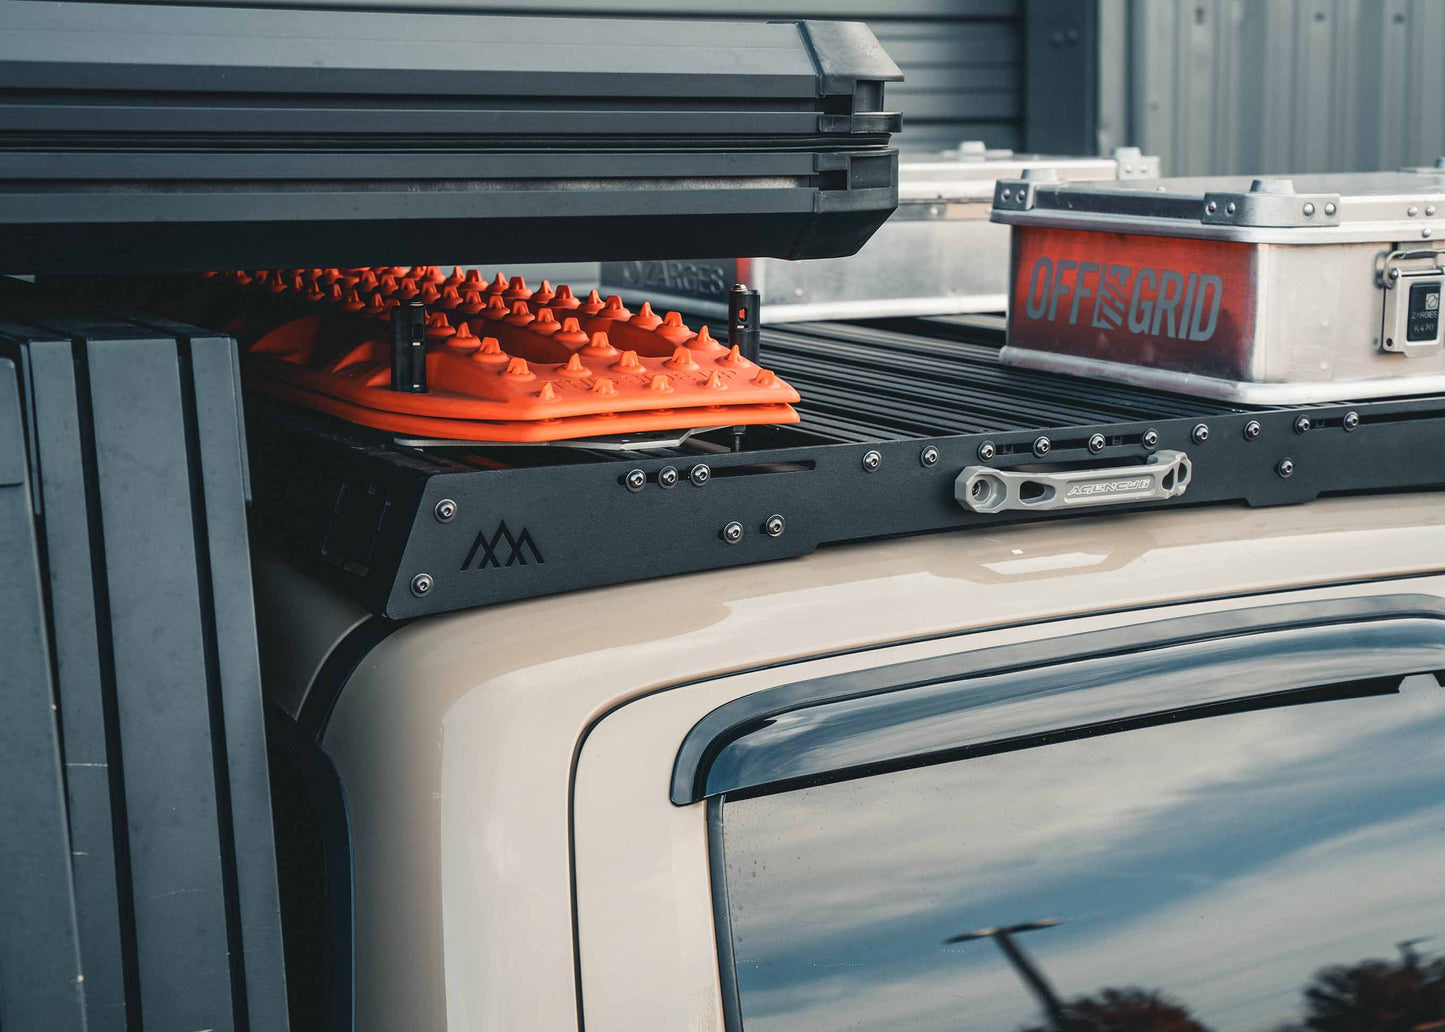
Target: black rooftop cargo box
column 150, row 138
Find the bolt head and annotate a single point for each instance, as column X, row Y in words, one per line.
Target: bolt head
column 987, row 450
column 1309, row 209
column 1413, row 211
column 774, row 526
column 1096, row 443
column 1285, row 468
column 733, row 532
column 1151, row 438
column 1200, row 433
column 1252, row 430
column 700, row 474
column 667, row 476
column 1007, row 193
column 1394, row 274
column 1302, row 425
column 872, row 460
column 1429, row 209
column 445, row 511
column 421, row 584
column 636, row 480
column 1330, row 208
column 1211, row 207
column 1042, row 446
column 1229, row 209
column 1352, row 421
column 929, row 456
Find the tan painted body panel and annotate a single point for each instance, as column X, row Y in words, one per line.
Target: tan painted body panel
column 644, row 897
column 455, row 738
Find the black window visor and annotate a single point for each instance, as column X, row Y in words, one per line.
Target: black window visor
column 988, row 700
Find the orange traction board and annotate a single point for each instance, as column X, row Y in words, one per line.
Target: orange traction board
column 503, row 362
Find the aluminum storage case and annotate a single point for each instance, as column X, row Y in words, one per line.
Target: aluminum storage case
column 937, row 255
column 1269, row 291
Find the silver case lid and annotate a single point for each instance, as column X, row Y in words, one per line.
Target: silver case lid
column 968, row 173
column 1347, row 207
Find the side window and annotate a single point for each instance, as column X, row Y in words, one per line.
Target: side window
column 1270, row 865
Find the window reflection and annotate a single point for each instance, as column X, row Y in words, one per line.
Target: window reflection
column 1255, row 871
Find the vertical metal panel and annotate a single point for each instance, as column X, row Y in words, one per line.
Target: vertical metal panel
column 1061, row 76
column 1113, row 110
column 135, row 447
column 40, row 985
column 1425, row 86
column 1152, row 110
column 1242, row 86
column 89, row 774
column 219, row 447
column 161, row 679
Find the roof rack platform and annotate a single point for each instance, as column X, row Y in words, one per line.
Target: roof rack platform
column 901, row 422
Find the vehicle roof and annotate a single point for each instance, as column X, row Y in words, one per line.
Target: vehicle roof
column 455, row 738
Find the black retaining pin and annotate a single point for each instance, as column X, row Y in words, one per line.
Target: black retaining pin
column 743, row 323
column 408, row 347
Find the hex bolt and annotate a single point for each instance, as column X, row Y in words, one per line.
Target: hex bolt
column 667, row 476
column 1151, row 438
column 774, row 526
column 1200, row 433
column 987, row 450
column 928, row 456
column 872, row 460
column 1096, row 443
column 1352, row 421
column 732, row 533
column 445, row 511
column 1302, row 425
column 636, row 480
column 421, row 584
column 1042, row 446
column 1285, row 468
column 1252, row 430
column 699, row 474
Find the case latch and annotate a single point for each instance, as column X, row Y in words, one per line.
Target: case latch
column 1413, row 282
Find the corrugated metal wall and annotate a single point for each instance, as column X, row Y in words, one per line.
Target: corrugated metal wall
column 962, row 59
column 1220, row 86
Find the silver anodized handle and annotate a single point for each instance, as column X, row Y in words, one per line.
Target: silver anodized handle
column 985, row 489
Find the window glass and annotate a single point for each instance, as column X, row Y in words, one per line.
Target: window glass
column 1262, row 870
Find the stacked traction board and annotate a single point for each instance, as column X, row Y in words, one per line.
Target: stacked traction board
column 504, row 363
